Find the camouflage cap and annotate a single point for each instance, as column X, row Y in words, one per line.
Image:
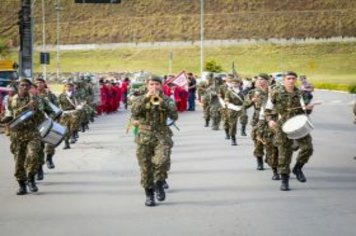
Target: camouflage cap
column 155, row 78
column 263, row 76
column 25, row 80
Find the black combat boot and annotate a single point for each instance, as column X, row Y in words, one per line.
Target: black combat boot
column 297, row 170
column 160, row 194
column 22, row 188
column 275, row 175
column 285, row 182
column 259, row 163
column 73, row 139
column 82, row 126
column 32, row 184
column 49, row 161
column 165, row 184
column 233, row 140
column 150, row 197
column 66, row 144
column 86, row 125
column 227, row 134
column 243, row 130
column 76, row 135
column 206, row 123
column 40, row 173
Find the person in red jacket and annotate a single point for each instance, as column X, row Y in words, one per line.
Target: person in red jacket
column 125, row 87
column 117, row 95
column 103, row 97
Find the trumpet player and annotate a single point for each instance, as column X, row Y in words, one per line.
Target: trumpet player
column 149, row 113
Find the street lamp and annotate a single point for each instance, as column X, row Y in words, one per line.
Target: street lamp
column 201, row 37
column 58, row 9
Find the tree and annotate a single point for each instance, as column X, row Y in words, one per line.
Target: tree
column 213, row 66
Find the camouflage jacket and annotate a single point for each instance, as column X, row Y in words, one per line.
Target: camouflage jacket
column 49, row 96
column 261, row 102
column 67, row 103
column 18, row 105
column 152, row 118
column 234, row 97
column 283, row 104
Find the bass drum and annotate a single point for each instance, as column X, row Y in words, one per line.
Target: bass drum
column 297, row 127
column 52, row 132
column 21, row 119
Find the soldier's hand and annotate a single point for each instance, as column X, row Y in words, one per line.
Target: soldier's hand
column 309, row 106
column 32, row 104
column 272, row 124
column 135, row 123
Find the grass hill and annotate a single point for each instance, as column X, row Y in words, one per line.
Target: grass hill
column 176, row 20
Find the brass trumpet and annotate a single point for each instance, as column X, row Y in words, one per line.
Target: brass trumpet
column 155, row 100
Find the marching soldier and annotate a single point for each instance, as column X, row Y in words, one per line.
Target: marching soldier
column 213, row 93
column 47, row 149
column 70, row 117
column 261, row 134
column 234, row 97
column 202, row 97
column 224, row 110
column 149, row 114
column 287, row 101
column 25, row 139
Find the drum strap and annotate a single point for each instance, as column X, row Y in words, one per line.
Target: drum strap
column 70, row 101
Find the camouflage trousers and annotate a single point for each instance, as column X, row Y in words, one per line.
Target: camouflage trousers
column 215, row 117
column 153, row 152
column 244, row 117
column 46, row 149
column 285, row 151
column 25, row 151
column 206, row 110
column 233, row 119
column 71, row 122
column 225, row 118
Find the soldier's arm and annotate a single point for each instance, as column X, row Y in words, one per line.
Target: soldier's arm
column 248, row 100
column 138, row 107
column 172, row 109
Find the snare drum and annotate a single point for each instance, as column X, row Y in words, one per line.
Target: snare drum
column 52, row 132
column 21, row 119
column 297, row 127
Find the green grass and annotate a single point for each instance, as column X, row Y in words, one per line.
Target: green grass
column 324, row 63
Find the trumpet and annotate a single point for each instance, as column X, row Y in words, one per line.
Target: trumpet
column 155, row 100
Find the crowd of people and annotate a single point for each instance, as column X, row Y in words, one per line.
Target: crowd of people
column 225, row 100
column 228, row 98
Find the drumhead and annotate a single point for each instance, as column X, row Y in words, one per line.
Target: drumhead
column 294, row 123
column 45, row 127
column 23, row 117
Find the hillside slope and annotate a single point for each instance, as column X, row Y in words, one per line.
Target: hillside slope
column 176, row 20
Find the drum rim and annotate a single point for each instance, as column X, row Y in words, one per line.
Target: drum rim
column 18, row 117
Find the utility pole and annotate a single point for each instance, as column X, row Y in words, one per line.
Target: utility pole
column 58, row 9
column 201, row 37
column 26, row 39
column 44, row 39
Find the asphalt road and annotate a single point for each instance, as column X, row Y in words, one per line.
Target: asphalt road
column 215, row 189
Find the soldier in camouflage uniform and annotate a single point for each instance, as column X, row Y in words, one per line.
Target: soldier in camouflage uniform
column 224, row 110
column 235, row 97
column 212, row 96
column 153, row 144
column 287, row 102
column 202, row 96
column 261, row 134
column 26, row 139
column 70, row 117
column 46, row 149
